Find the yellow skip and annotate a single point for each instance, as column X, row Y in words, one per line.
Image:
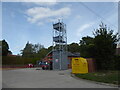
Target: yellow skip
column 79, row 65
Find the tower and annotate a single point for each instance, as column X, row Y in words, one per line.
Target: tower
column 59, row 46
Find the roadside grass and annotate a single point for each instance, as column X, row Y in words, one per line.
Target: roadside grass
column 102, row 76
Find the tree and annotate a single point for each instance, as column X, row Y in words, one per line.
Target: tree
column 43, row 53
column 102, row 47
column 73, row 48
column 0, row 49
column 49, row 48
column 37, row 47
column 86, row 40
column 105, row 47
column 28, row 50
column 32, row 50
column 5, row 48
column 87, row 47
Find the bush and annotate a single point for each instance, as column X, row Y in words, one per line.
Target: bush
column 7, row 60
column 117, row 62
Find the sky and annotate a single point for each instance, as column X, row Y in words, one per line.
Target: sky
column 32, row 21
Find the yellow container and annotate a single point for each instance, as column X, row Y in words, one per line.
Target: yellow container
column 79, row 65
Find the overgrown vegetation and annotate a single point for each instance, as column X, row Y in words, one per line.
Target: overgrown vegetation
column 5, row 48
column 103, row 76
column 102, row 47
column 7, row 60
column 87, row 47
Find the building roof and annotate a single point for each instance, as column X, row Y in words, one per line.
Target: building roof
column 69, row 54
column 73, row 54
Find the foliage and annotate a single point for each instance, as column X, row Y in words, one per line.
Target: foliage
column 49, row 48
column 102, row 47
column 23, row 60
column 0, row 48
column 35, row 51
column 87, row 47
column 73, row 48
column 5, row 48
column 106, row 76
column 105, row 47
column 43, row 52
column 37, row 47
column 86, row 40
column 31, row 50
column 28, row 50
column 117, row 62
column 9, row 60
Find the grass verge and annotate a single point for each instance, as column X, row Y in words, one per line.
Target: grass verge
column 102, row 76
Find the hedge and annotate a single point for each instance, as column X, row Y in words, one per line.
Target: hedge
column 7, row 60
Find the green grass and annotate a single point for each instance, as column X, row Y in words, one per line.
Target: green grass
column 103, row 76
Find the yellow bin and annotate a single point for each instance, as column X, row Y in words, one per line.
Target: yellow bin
column 79, row 65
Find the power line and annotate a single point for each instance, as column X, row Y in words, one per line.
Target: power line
column 96, row 14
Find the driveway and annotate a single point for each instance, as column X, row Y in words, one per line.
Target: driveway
column 32, row 78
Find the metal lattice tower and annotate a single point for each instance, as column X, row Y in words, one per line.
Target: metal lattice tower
column 59, row 46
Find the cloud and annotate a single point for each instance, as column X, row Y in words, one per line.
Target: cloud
column 43, row 14
column 40, row 4
column 83, row 28
column 45, row 3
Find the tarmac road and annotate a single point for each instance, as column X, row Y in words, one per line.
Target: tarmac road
column 32, row 78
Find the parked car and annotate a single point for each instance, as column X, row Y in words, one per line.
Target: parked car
column 45, row 65
column 30, row 65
